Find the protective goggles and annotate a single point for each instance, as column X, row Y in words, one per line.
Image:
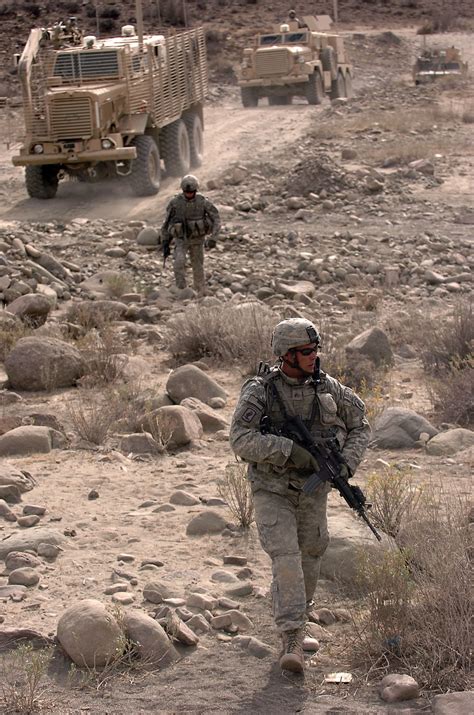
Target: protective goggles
column 307, row 351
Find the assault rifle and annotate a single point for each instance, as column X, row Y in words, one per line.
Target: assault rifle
column 166, row 251
column 329, row 457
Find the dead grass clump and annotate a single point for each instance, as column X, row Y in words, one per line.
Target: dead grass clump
column 453, row 394
column 93, row 414
column 86, row 316
column 10, row 334
column 118, row 285
column 103, row 354
column 235, row 489
column 22, row 676
column 419, row 598
column 231, row 334
column 449, row 342
column 394, row 497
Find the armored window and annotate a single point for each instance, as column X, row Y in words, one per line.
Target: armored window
column 86, row 65
column 271, row 40
column 296, row 37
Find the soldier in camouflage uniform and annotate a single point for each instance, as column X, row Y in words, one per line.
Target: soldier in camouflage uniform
column 292, row 526
column 190, row 217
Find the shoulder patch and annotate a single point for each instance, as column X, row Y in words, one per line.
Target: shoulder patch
column 249, row 414
column 353, row 399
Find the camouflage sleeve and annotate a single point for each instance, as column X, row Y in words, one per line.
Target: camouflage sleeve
column 351, row 410
column 165, row 236
column 245, row 437
column 213, row 214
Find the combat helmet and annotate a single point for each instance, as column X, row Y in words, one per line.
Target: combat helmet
column 189, row 183
column 292, row 333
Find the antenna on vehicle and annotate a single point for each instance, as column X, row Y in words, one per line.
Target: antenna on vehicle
column 139, row 14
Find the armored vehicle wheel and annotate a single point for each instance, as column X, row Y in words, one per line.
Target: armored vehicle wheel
column 329, row 61
column 175, row 148
column 42, row 181
column 315, row 88
column 338, row 87
column 348, row 85
column 146, row 172
column 249, row 96
column 275, row 101
column 196, row 140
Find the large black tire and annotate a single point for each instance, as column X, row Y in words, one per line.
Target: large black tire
column 338, row 87
column 249, row 96
column 329, row 61
column 348, row 85
column 275, row 101
column 196, row 138
column 315, row 88
column 176, row 149
column 145, row 175
column 42, row 181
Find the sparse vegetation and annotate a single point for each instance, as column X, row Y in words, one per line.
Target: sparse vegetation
column 239, row 334
column 22, row 679
column 395, row 497
column 452, row 394
column 103, row 352
column 10, row 334
column 118, row 285
column 235, row 489
column 93, row 414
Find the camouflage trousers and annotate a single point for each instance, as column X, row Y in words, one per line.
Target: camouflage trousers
column 293, row 532
column 196, row 255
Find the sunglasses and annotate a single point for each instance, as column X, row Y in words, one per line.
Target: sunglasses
column 307, row 351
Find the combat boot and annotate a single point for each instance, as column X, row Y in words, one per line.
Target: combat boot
column 292, row 658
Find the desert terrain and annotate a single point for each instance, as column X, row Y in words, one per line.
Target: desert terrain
column 357, row 215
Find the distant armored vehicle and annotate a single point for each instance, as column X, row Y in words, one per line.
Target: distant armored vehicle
column 296, row 61
column 99, row 108
column 433, row 64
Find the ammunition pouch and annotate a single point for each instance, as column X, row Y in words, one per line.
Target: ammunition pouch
column 197, row 228
column 176, row 230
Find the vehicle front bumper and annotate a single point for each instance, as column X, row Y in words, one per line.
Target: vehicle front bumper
column 72, row 157
column 274, row 81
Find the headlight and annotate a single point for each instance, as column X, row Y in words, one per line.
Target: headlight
column 38, row 149
column 300, row 59
column 107, row 144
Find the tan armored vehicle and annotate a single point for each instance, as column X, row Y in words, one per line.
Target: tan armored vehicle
column 99, row 108
column 433, row 64
column 296, row 61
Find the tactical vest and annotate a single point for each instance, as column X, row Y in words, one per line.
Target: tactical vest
column 189, row 220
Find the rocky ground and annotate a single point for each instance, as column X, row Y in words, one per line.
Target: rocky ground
column 358, row 216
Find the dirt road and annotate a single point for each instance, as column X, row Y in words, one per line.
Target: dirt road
column 231, row 134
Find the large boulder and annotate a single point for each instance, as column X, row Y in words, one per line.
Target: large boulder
column 178, row 425
column 150, row 638
column 90, row 635
column 209, row 418
column 191, row 381
column 26, row 440
column 373, row 344
column 450, row 442
column 100, row 283
column 148, row 237
column 400, row 428
column 458, row 703
column 43, row 363
column 30, row 539
column 32, row 308
column 10, row 476
column 208, row 522
column 349, row 536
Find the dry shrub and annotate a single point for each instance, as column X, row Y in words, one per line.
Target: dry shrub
column 93, row 414
column 453, row 394
column 88, row 317
column 103, row 353
column 231, row 334
column 118, row 285
column 419, row 599
column 448, row 342
column 22, row 676
column 172, row 12
column 441, row 20
column 10, row 335
column 394, row 497
column 235, row 489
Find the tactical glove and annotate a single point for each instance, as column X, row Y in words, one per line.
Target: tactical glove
column 300, row 458
column 344, row 471
column 210, row 242
column 166, row 249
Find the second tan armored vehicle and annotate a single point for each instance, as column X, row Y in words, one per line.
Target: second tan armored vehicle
column 433, row 64
column 296, row 61
column 100, row 108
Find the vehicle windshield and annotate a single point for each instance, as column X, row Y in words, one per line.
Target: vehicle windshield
column 271, row 39
column 88, row 64
column 289, row 38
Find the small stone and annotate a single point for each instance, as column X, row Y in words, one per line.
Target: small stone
column 323, row 616
column 201, row 601
column 228, row 604
column 123, row 599
column 19, row 559
column 28, row 521
column 397, row 687
column 152, row 562
column 199, row 624
column 127, row 558
column 244, row 589
column 155, row 592
column 116, row 588
column 184, row 498
column 23, row 577
column 29, row 509
column 93, row 494
column 310, row 645
column 5, row 511
column 223, row 577
column 235, row 560
column 48, row 551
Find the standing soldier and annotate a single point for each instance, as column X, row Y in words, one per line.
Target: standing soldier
column 190, row 217
column 292, row 525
